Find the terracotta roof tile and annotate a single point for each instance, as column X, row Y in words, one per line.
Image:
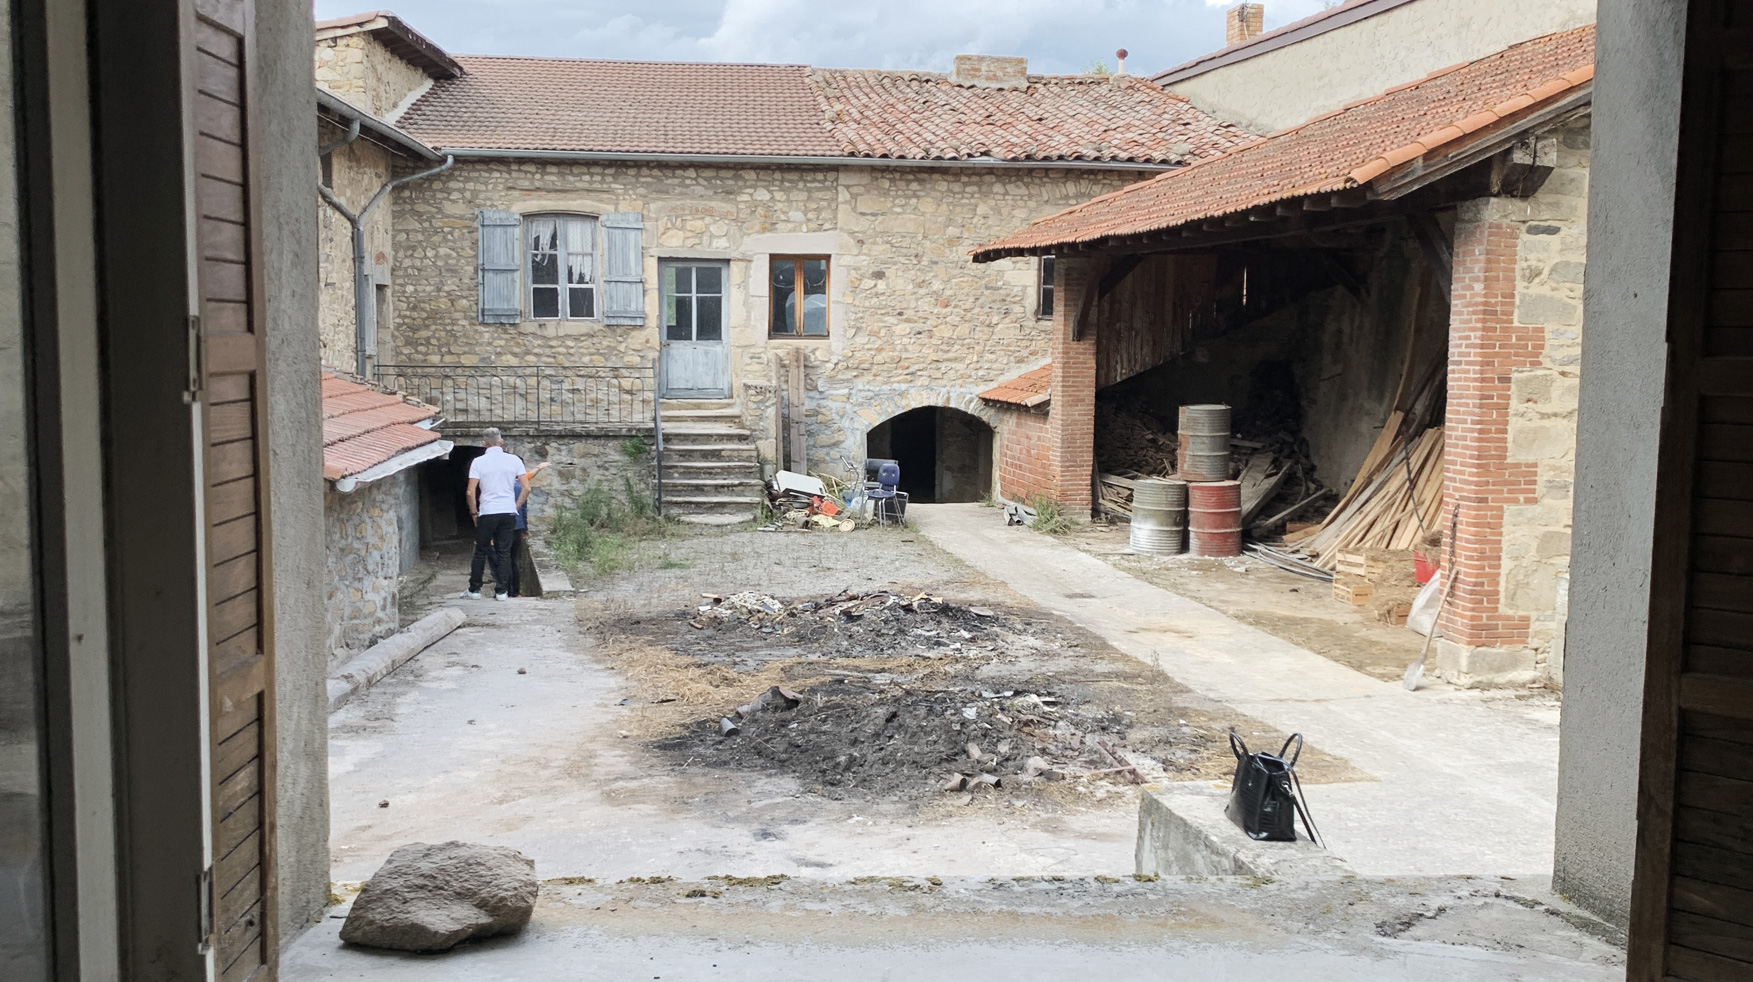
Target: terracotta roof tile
column 927, row 116
column 364, row 426
column 1329, row 153
column 1030, row 389
column 793, row 110
column 622, row 106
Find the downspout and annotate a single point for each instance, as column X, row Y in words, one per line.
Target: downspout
column 362, row 298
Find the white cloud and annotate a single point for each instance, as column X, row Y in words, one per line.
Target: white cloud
column 924, row 34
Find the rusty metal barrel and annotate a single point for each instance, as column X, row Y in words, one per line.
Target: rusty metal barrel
column 1159, row 516
column 1203, row 443
column 1214, row 518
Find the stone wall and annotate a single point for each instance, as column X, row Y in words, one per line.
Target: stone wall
column 364, row 564
column 358, row 170
column 576, row 462
column 1552, row 252
column 1513, row 379
column 912, row 322
column 358, row 68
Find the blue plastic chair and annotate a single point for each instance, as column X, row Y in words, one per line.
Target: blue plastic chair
column 888, row 477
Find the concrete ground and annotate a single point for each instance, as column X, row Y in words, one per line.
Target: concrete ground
column 462, row 745
column 1465, row 782
column 1022, row 929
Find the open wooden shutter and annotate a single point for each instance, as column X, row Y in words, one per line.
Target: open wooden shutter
column 501, row 263
column 624, row 268
column 239, row 668
column 1692, row 905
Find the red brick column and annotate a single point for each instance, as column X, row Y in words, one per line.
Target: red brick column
column 1485, row 347
column 1071, row 421
column 1025, row 458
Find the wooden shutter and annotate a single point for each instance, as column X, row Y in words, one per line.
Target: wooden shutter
column 239, row 668
column 624, row 268
column 1692, row 904
column 501, row 263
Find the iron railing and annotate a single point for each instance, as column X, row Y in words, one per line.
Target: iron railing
column 546, row 397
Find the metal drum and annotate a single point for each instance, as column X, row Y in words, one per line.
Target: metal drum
column 1214, row 518
column 1159, row 516
column 1203, row 443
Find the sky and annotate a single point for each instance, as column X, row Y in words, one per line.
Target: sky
column 1057, row 36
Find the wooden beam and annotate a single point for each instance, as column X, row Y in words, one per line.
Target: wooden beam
column 1121, row 269
column 1087, row 308
column 1353, row 198
column 1520, row 171
column 1436, row 249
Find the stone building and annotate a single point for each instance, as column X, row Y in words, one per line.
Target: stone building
column 1440, row 223
column 373, row 442
column 367, row 66
column 690, row 231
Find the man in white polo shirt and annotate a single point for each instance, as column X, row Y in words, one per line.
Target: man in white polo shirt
column 494, row 500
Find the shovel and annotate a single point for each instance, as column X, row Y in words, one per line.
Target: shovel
column 1415, row 671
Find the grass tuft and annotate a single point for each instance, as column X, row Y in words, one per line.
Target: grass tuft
column 1049, row 518
column 598, row 529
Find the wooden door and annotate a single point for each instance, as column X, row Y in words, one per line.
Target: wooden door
column 239, row 669
column 696, row 353
column 1692, row 903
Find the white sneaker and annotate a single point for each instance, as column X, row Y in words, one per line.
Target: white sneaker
column 471, row 594
column 502, row 596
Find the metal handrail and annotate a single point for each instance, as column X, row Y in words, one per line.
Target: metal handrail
column 657, row 426
column 542, row 395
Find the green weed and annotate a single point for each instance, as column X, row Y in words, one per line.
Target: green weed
column 598, row 530
column 1049, row 518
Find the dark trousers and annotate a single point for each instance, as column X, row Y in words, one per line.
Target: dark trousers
column 492, row 535
column 509, row 579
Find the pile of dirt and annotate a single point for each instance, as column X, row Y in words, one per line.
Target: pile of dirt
column 896, row 695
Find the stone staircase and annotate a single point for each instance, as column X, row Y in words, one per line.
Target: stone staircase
column 711, row 475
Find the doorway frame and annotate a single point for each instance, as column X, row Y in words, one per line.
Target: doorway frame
column 664, row 342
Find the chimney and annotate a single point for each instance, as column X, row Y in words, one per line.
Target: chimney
column 1243, row 21
column 991, row 71
column 1120, row 61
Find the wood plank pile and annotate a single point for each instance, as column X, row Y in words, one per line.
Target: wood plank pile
column 1132, row 443
column 1396, row 498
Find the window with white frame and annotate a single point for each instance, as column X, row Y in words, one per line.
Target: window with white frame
column 561, row 257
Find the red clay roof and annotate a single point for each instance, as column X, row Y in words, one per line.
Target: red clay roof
column 926, row 116
column 364, row 426
column 1332, row 152
column 1029, row 389
column 795, row 111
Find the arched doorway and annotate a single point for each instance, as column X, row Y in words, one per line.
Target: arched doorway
column 945, row 454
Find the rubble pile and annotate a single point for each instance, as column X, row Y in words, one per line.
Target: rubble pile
column 907, row 696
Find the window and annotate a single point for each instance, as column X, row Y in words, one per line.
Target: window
column 561, row 252
column 693, row 301
column 1044, row 302
column 799, row 290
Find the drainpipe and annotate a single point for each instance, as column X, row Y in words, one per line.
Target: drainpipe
column 362, row 298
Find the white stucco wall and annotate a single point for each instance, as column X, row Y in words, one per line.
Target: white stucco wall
column 1288, row 85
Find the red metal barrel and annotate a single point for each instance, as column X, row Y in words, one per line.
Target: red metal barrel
column 1214, row 518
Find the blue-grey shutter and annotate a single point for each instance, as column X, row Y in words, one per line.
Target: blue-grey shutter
column 501, row 262
column 623, row 268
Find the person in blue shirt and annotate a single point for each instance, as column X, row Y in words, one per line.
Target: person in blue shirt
column 520, row 535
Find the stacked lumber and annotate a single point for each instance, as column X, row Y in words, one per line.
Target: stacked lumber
column 1127, row 440
column 1116, row 495
column 1398, row 495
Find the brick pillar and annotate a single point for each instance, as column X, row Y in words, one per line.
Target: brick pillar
column 1071, row 420
column 1243, row 21
column 1486, row 346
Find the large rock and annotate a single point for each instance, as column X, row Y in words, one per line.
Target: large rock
column 434, row 897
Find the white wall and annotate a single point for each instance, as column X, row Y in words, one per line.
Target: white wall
column 1288, row 85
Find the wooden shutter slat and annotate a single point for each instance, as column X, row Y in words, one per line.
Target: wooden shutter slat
column 238, row 653
column 217, row 77
column 1710, row 660
column 1708, row 934
column 499, row 266
column 233, row 499
column 1721, row 554
column 231, row 540
column 1719, row 829
column 1712, row 793
column 1701, row 966
column 221, row 317
column 236, row 576
column 1712, row 865
column 236, row 751
column 623, row 268
column 1725, row 479
column 1723, row 758
column 246, row 894
column 238, row 826
column 218, row 42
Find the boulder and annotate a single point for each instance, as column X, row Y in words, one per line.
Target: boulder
column 434, row 897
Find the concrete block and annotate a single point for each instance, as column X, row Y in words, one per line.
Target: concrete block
column 555, row 582
column 1483, row 665
column 390, row 654
column 1182, row 831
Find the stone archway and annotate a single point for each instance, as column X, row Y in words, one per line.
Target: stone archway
column 945, row 453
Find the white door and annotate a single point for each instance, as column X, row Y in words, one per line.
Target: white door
column 696, row 356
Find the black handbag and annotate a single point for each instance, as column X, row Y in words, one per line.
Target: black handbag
column 1266, row 796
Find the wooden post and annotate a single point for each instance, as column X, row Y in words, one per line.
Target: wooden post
column 799, row 438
